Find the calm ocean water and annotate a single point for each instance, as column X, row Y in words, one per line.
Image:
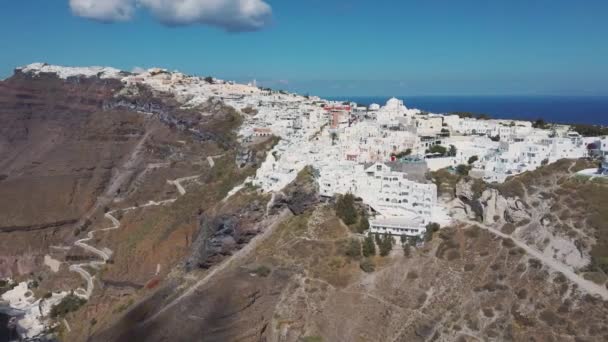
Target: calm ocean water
column 558, row 109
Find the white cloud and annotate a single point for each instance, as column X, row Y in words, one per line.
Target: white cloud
column 230, row 15
column 103, row 10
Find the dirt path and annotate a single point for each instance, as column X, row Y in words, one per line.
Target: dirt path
column 584, row 284
column 105, row 254
column 239, row 255
column 121, row 175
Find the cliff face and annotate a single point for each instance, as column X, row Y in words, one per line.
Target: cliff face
column 55, row 153
column 114, row 179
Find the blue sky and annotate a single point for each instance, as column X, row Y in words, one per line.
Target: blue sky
column 341, row 47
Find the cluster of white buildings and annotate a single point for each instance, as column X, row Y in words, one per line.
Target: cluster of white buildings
column 354, row 148
column 354, row 152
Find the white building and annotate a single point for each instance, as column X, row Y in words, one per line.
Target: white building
column 400, row 226
column 390, row 194
column 394, row 113
column 428, row 125
column 604, row 146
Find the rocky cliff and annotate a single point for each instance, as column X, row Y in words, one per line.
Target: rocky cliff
column 111, row 177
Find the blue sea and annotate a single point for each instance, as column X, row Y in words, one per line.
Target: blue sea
column 556, row 109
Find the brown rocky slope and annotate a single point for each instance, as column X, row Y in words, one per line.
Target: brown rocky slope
column 74, row 149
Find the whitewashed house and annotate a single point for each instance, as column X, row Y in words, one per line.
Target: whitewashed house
column 428, row 125
column 604, row 146
column 398, row 226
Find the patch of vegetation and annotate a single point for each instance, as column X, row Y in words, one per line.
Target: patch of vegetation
column 353, row 249
column 403, row 153
column 7, row 285
column 406, row 245
column 445, row 181
column 386, row 244
column 262, row 271
column 431, row 229
column 70, row 303
column 473, row 159
column 363, row 223
column 311, row 339
column 478, row 187
column 463, row 170
column 369, row 247
column 590, row 130
column 511, row 188
column 437, row 149
column 367, row 265
column 465, row 115
column 540, row 123
column 345, row 209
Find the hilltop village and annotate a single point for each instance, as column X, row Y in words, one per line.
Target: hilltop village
column 380, row 153
column 384, row 155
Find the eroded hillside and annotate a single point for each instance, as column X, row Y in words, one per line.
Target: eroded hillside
column 298, row 282
column 103, row 186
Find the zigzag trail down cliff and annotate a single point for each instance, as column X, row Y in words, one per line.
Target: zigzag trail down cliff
column 105, row 254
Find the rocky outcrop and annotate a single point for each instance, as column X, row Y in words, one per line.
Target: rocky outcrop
column 245, row 157
column 489, row 206
column 497, row 208
column 299, row 196
column 466, row 202
column 142, row 99
column 220, row 235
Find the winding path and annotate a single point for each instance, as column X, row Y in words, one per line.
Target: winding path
column 105, row 254
column 584, row 284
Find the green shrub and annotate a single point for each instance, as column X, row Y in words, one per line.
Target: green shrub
column 6, row 286
column 262, row 271
column 363, row 224
column 369, row 247
column 70, row 303
column 438, row 149
column 386, row 245
column 345, row 209
column 403, row 153
column 353, row 249
column 367, row 265
column 311, row 339
column 463, row 170
column 431, row 228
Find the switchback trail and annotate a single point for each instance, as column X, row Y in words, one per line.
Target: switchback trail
column 105, row 254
